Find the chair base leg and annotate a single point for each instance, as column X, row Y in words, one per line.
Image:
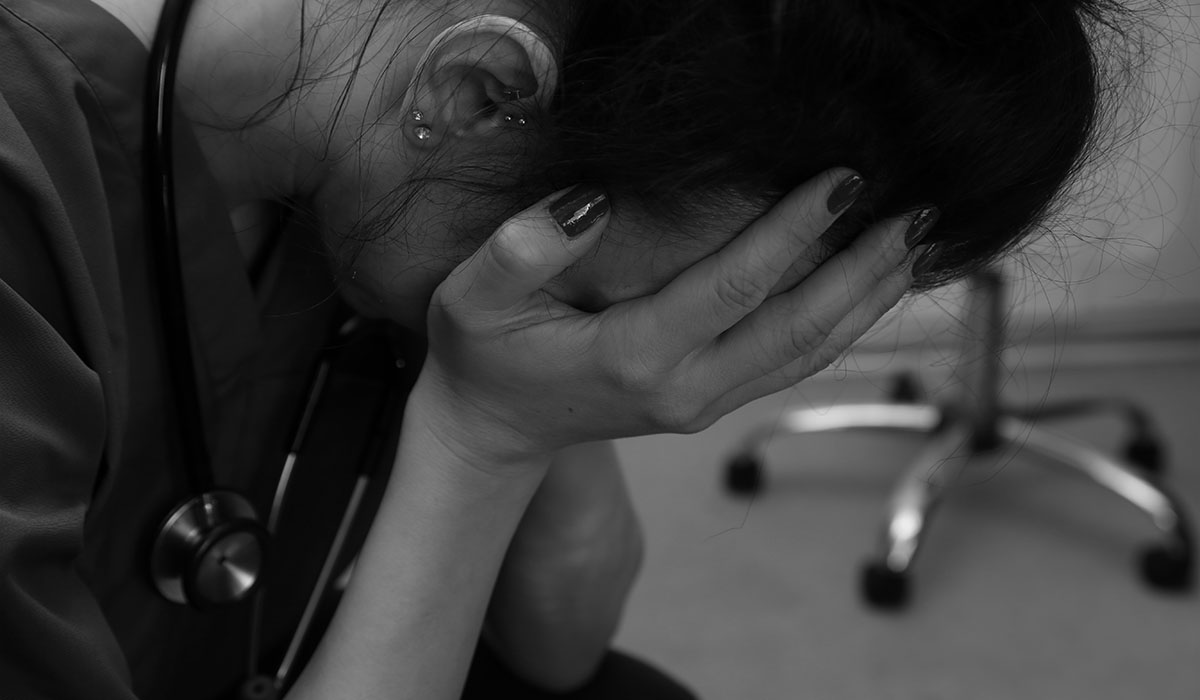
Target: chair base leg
column 745, row 473
column 1168, row 564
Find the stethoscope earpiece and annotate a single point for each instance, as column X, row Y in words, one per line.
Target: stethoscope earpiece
column 209, row 551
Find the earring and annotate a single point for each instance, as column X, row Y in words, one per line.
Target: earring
column 515, row 120
column 512, row 94
column 421, row 130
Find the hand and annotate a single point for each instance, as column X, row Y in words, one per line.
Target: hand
column 515, row 372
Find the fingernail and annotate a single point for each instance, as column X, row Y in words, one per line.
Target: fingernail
column 921, row 225
column 578, row 209
column 845, row 193
column 926, row 257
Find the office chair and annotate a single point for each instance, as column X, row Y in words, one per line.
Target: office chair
column 976, row 422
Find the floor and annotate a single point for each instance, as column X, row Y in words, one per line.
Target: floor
column 1027, row 585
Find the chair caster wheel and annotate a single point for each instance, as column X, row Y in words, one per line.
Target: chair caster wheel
column 744, row 475
column 258, row 688
column 905, row 389
column 1167, row 568
column 1145, row 453
column 883, row 588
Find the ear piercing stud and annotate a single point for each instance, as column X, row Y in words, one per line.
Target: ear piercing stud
column 422, row 130
column 512, row 94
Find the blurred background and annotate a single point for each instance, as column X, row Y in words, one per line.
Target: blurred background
column 1028, row 583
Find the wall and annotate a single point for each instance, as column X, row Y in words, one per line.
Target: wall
column 1122, row 262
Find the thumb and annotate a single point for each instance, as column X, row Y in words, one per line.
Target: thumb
column 530, row 249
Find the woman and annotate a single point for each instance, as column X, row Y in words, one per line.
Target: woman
column 410, row 146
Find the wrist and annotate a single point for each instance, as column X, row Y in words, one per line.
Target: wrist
column 477, row 438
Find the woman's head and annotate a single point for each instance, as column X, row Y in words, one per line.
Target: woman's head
column 694, row 115
column 985, row 109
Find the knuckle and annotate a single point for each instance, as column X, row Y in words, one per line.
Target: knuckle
column 660, row 396
column 825, row 358
column 741, row 292
column 671, row 414
column 510, row 252
column 808, row 334
column 634, row 374
column 803, row 367
column 681, row 409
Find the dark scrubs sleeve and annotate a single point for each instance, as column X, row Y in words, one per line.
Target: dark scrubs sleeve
column 54, row 642
column 54, row 639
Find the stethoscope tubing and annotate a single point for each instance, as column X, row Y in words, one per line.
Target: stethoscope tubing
column 283, row 675
column 167, row 273
column 164, row 239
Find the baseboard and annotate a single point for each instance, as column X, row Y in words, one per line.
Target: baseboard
column 930, row 332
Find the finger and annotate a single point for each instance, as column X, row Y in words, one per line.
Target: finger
column 714, row 294
column 823, row 249
column 792, row 325
column 864, row 317
column 529, row 250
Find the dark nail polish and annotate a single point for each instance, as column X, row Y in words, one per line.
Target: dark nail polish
column 845, row 193
column 921, row 225
column 578, row 209
column 927, row 257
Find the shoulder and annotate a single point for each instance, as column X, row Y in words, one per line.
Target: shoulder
column 70, row 118
column 70, row 63
column 70, row 182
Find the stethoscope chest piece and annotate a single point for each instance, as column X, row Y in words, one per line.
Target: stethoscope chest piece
column 209, row 551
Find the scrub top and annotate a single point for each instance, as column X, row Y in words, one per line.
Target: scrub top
column 89, row 441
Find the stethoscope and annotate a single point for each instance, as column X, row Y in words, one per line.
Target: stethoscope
column 212, row 548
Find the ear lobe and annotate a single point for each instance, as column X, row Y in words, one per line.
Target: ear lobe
column 478, row 77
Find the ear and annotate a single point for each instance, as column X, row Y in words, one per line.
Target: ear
column 477, row 79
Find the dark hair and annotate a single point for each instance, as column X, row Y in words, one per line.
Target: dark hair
column 985, row 109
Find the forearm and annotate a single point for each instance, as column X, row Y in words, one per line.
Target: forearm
column 410, row 619
column 568, row 573
column 555, row 635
